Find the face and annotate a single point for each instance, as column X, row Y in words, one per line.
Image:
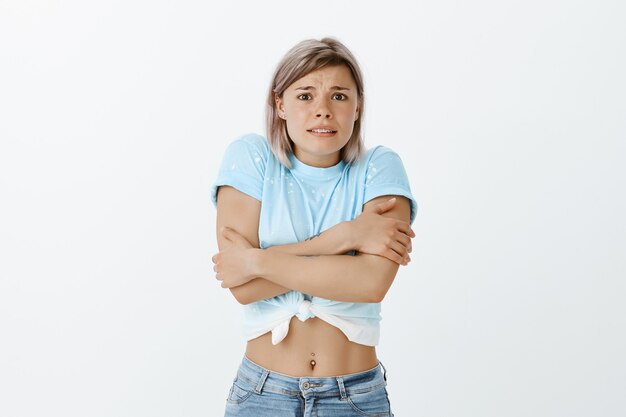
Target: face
column 320, row 110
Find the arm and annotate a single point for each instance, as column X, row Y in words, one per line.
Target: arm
column 240, row 212
column 369, row 233
column 361, row 278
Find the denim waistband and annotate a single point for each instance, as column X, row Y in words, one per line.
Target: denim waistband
column 258, row 379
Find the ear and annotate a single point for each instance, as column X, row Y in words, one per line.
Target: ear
column 280, row 106
column 357, row 113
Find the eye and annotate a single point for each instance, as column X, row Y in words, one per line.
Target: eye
column 304, row 97
column 339, row 96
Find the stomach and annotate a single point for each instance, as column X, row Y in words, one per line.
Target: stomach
column 311, row 348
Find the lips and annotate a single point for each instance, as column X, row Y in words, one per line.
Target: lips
column 322, row 131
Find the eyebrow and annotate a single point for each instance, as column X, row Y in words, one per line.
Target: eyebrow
column 335, row 87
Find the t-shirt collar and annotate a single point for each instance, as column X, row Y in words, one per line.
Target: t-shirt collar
column 302, row 168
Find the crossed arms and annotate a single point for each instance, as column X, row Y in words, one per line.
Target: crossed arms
column 381, row 235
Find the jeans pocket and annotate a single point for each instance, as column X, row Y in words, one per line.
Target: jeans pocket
column 237, row 393
column 372, row 403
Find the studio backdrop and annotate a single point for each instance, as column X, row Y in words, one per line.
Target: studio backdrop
column 510, row 121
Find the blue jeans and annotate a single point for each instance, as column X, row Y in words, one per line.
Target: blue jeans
column 259, row 392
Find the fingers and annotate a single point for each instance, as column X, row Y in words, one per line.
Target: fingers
column 234, row 236
column 227, row 232
column 394, row 256
column 405, row 241
column 404, row 235
column 386, row 206
column 215, row 266
column 398, row 254
column 405, row 228
column 216, row 269
column 401, row 250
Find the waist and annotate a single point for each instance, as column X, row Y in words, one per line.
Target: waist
column 253, row 377
column 312, row 340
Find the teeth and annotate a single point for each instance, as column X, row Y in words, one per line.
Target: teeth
column 322, row 130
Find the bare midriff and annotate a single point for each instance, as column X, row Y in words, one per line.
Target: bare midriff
column 311, row 348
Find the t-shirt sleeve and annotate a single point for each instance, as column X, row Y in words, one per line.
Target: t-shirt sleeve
column 385, row 175
column 243, row 166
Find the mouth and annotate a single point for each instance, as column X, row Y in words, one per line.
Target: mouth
column 322, row 132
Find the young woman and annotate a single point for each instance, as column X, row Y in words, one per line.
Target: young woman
column 311, row 225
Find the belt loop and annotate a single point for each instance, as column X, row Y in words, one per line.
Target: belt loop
column 261, row 382
column 384, row 371
column 342, row 388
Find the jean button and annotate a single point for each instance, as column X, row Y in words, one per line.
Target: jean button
column 305, row 385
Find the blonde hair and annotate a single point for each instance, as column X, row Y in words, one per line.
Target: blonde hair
column 304, row 58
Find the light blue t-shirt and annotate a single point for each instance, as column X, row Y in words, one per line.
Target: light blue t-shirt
column 301, row 202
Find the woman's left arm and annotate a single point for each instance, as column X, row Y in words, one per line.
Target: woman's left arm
column 360, row 278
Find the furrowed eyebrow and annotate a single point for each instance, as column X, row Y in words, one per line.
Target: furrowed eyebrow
column 335, row 87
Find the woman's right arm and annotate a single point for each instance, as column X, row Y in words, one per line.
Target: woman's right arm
column 369, row 233
column 241, row 212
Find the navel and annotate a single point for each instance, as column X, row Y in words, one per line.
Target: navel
column 313, row 363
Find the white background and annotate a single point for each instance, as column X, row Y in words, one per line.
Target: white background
column 509, row 117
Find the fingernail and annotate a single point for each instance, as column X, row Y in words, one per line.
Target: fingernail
column 392, row 199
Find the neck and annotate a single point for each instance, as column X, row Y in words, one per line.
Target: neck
column 323, row 161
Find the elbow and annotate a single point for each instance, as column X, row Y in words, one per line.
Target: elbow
column 241, row 296
column 382, row 273
column 379, row 291
column 374, row 293
column 377, row 296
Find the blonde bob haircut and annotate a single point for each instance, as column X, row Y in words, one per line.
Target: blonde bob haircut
column 304, row 58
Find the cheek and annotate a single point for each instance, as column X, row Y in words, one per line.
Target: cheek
column 349, row 115
column 348, row 109
column 296, row 118
column 294, row 128
column 298, row 112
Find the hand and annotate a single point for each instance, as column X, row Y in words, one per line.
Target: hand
column 234, row 265
column 379, row 235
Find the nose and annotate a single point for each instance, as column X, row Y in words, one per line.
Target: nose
column 323, row 111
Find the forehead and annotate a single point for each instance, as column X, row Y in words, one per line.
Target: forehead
column 337, row 75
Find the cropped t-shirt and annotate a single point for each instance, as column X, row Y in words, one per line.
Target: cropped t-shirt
column 301, row 202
